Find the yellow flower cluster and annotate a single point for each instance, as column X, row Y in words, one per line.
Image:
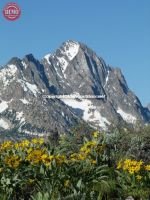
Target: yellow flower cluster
column 21, row 144
column 147, row 167
column 6, row 145
column 25, row 148
column 12, row 161
column 60, row 159
column 85, row 150
column 38, row 156
column 77, row 156
column 95, row 134
column 92, row 145
column 84, row 153
column 37, row 141
column 132, row 166
column 81, row 156
column 100, row 148
column 35, row 156
column 87, row 147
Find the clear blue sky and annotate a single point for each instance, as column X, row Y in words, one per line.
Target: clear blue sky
column 118, row 30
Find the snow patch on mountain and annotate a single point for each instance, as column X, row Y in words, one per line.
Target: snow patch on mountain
column 106, row 80
column 23, row 85
column 63, row 64
column 67, row 53
column 24, row 64
column 28, row 86
column 19, row 116
column 3, row 106
column 126, row 116
column 90, row 113
column 24, row 101
column 56, row 70
column 47, row 58
column 7, row 74
column 71, row 49
column 91, row 64
column 33, row 88
column 4, row 124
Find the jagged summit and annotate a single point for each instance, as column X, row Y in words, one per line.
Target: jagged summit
column 30, row 57
column 73, row 57
column 67, row 51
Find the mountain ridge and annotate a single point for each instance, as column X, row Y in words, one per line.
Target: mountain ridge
column 72, row 69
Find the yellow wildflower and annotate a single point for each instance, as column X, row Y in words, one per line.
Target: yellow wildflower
column 35, row 156
column 45, row 158
column 39, row 141
column 87, row 151
column 35, row 141
column 51, row 157
column 81, row 156
column 12, row 161
column 67, row 183
column 6, row 145
column 29, row 150
column 60, row 159
column 83, row 148
column 138, row 177
column 95, row 134
column 87, row 147
column 23, row 144
column 90, row 144
column 93, row 162
column 132, row 166
column 17, row 146
column 119, row 164
column 74, row 157
column 147, row 167
column 30, row 181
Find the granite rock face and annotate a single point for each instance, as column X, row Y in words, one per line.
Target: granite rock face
column 74, row 69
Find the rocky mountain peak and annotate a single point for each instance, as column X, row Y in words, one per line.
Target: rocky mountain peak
column 30, row 58
column 75, row 61
column 14, row 61
column 74, row 68
column 69, row 49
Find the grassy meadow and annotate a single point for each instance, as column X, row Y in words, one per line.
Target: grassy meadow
column 93, row 166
